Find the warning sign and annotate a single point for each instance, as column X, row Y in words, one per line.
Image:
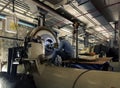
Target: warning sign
column 11, row 24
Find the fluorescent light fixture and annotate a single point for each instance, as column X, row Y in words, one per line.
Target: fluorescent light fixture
column 65, row 30
column 106, row 35
column 91, row 17
column 85, row 20
column 68, row 32
column 90, row 30
column 71, row 10
column 2, row 3
column 81, row 7
column 99, row 29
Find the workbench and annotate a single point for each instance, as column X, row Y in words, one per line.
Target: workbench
column 97, row 61
column 97, row 64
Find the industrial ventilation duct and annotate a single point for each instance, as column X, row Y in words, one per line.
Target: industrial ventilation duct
column 56, row 3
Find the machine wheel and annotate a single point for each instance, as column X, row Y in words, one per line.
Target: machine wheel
column 49, row 37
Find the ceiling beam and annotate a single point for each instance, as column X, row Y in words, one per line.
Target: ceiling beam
column 5, row 6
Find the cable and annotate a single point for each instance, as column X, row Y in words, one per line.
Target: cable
column 83, row 2
column 15, row 22
column 11, row 38
column 79, row 77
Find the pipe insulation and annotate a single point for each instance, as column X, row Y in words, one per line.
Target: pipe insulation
column 59, row 77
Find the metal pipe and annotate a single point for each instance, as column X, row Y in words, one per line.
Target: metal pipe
column 119, row 34
column 94, row 10
column 76, row 43
column 76, row 25
column 83, row 2
column 13, row 2
column 115, row 33
column 65, row 25
column 88, row 11
column 47, row 8
column 82, row 13
column 11, row 38
column 43, row 19
column 58, row 77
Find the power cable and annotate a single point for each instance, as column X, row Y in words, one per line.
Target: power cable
column 79, row 77
column 15, row 21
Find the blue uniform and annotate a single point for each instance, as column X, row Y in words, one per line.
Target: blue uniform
column 65, row 50
column 66, row 47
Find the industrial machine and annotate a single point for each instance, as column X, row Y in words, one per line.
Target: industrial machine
column 38, row 46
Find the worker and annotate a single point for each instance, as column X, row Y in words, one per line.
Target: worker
column 64, row 50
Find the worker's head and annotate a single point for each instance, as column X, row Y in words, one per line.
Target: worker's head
column 61, row 38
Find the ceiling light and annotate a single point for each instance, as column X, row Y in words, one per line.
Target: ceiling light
column 99, row 29
column 66, row 30
column 71, row 10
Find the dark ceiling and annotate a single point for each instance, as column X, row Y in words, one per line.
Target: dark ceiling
column 109, row 8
